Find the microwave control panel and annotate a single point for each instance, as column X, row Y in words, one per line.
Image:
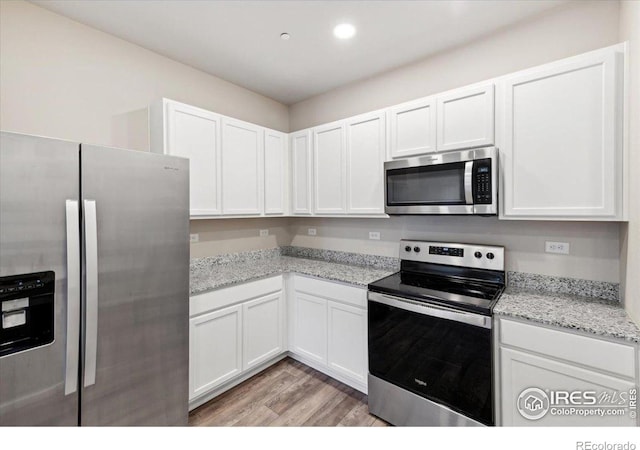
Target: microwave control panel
column 482, row 184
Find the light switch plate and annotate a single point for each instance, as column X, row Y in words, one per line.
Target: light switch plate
column 374, row 235
column 195, row 237
column 264, row 233
column 556, row 247
column 312, row 231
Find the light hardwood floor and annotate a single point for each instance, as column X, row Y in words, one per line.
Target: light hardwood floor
column 288, row 393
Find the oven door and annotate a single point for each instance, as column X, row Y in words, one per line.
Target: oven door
column 437, row 353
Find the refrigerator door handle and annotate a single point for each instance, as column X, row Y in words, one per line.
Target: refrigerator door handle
column 73, row 297
column 91, row 274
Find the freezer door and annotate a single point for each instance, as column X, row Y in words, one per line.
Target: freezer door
column 136, row 283
column 39, row 186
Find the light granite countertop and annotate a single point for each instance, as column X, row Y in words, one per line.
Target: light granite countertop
column 208, row 276
column 601, row 317
column 583, row 305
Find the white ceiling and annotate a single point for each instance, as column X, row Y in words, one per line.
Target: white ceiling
column 239, row 41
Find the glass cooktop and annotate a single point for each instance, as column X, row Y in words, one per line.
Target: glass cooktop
column 459, row 293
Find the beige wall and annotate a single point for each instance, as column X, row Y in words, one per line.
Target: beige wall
column 567, row 31
column 594, row 246
column 219, row 236
column 62, row 79
column 630, row 233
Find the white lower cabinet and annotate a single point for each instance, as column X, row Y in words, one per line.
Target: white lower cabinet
column 233, row 331
column 329, row 329
column 521, row 371
column 310, row 327
column 215, row 344
column 552, row 377
column 262, row 329
column 347, row 333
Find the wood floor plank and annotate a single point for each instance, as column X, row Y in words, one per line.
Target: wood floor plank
column 358, row 417
column 242, row 390
column 260, row 417
column 379, row 423
column 305, row 386
column 288, row 393
column 333, row 412
column 228, row 414
column 298, row 413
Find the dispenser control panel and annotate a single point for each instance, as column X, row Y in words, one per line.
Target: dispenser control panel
column 26, row 311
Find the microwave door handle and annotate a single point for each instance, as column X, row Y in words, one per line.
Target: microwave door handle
column 468, row 182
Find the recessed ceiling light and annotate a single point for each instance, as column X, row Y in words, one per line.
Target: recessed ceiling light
column 344, row 31
column 285, row 36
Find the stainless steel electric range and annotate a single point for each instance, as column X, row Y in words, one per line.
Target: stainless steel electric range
column 430, row 325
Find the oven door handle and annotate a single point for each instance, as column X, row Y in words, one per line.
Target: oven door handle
column 477, row 320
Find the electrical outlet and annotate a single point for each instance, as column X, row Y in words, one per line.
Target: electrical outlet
column 194, row 237
column 311, row 231
column 556, row 247
column 264, row 233
column 374, row 235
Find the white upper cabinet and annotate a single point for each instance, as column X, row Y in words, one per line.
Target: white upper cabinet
column 330, row 169
column 275, row 172
column 182, row 130
column 413, row 128
column 301, row 179
column 465, row 118
column 242, row 167
column 366, row 144
column 561, row 143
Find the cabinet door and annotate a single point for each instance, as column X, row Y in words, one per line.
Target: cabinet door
column 465, row 118
column 520, row 371
column 195, row 134
column 561, row 149
column 242, row 167
column 262, row 329
column 301, row 160
column 413, row 128
column 310, row 327
column 330, row 172
column 215, row 349
column 365, row 164
column 347, row 330
column 275, row 175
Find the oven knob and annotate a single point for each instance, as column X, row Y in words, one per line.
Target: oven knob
column 407, row 248
column 490, row 255
column 416, row 249
column 478, row 255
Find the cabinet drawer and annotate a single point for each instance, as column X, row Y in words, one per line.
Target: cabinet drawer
column 222, row 297
column 332, row 290
column 599, row 354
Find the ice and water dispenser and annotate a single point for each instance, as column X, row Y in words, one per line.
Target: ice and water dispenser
column 27, row 311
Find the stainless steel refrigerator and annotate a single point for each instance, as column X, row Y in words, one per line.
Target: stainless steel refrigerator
column 94, row 285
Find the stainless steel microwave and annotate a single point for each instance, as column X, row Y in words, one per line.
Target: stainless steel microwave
column 458, row 182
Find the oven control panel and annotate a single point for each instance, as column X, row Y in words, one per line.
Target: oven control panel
column 464, row 255
column 446, row 251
